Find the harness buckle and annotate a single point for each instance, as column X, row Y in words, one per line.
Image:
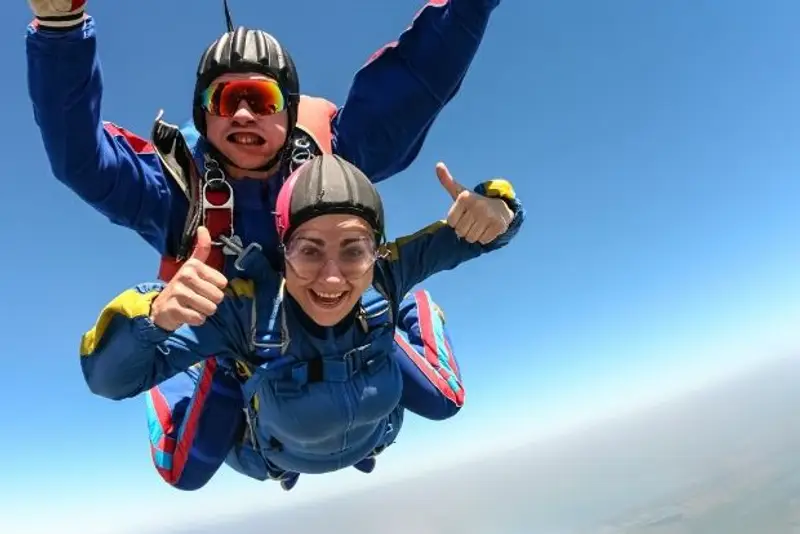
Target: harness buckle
column 352, row 360
column 232, row 246
column 210, row 208
column 341, row 370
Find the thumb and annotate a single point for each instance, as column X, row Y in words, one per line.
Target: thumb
column 202, row 244
column 452, row 187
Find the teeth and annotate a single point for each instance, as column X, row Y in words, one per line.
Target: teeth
column 329, row 295
column 246, row 139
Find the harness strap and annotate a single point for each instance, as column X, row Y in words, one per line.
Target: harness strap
column 290, row 375
column 210, row 196
column 217, row 217
column 376, row 309
column 211, row 206
column 268, row 343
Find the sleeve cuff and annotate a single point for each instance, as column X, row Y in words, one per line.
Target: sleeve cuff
column 497, row 188
column 500, row 188
column 150, row 333
column 60, row 23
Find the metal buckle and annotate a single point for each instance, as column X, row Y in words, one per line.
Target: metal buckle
column 208, row 205
column 354, row 360
column 232, row 246
column 214, row 177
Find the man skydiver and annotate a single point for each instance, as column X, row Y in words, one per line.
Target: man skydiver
column 163, row 188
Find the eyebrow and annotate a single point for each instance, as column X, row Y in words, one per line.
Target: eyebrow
column 321, row 242
column 316, row 241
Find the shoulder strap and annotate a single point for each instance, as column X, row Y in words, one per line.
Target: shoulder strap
column 270, row 342
column 314, row 116
column 209, row 194
column 312, row 135
column 376, row 309
column 173, row 152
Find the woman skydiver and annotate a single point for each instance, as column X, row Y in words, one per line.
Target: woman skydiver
column 310, row 346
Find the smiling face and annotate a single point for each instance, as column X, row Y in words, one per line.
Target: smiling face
column 329, row 265
column 248, row 138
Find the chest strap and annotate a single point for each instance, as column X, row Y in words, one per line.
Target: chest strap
column 290, row 373
column 290, row 381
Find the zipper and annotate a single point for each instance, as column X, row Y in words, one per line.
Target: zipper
column 348, row 406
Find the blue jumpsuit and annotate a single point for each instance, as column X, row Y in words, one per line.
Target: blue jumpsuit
column 318, row 399
column 393, row 101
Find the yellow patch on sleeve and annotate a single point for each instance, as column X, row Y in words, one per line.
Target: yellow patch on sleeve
column 500, row 188
column 129, row 304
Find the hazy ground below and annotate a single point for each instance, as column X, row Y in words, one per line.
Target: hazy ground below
column 723, row 461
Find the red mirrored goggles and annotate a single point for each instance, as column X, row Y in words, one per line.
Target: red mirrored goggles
column 263, row 97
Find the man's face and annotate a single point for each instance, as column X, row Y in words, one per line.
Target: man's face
column 255, row 130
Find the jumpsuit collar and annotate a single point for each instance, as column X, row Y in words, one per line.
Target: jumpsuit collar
column 316, row 330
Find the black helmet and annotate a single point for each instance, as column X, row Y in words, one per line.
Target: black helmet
column 324, row 185
column 247, row 50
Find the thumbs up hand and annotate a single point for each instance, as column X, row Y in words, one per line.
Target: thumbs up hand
column 474, row 217
column 194, row 292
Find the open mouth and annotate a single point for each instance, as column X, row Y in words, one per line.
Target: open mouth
column 328, row 300
column 246, row 138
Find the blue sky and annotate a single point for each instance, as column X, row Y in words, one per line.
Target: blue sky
column 654, row 143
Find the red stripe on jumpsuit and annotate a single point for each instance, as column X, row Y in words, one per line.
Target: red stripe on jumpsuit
column 166, row 444
column 180, row 449
column 425, row 314
column 138, row 144
column 435, row 378
column 429, row 364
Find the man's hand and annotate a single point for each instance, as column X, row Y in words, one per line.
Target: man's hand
column 474, row 217
column 58, row 13
column 194, row 292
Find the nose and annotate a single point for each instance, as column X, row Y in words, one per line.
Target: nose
column 243, row 114
column 331, row 274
